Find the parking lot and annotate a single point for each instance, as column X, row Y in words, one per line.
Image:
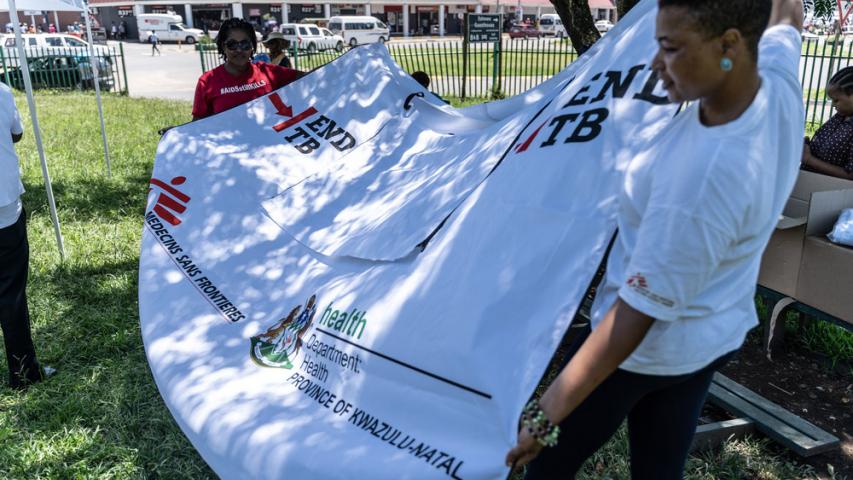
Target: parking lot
column 171, row 75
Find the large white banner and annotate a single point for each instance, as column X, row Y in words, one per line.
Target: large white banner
column 346, row 280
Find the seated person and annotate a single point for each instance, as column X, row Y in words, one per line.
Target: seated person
column 278, row 45
column 830, row 151
column 238, row 80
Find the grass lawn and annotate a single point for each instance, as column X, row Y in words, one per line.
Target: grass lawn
column 101, row 416
column 520, row 58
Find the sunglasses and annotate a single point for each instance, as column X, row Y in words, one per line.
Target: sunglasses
column 243, row 45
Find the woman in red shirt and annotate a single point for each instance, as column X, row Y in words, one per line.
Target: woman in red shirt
column 238, row 80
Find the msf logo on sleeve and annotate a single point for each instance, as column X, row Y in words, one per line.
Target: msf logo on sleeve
column 171, row 202
column 639, row 284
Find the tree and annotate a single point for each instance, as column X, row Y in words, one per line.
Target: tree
column 577, row 19
column 822, row 8
column 623, row 6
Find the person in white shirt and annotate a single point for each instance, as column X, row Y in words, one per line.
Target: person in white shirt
column 24, row 369
column 697, row 208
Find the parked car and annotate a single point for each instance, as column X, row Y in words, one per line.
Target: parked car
column 320, row 22
column 809, row 36
column 523, row 30
column 603, row 26
column 63, row 71
column 42, row 44
column 331, row 40
column 551, row 25
column 311, row 38
column 358, row 30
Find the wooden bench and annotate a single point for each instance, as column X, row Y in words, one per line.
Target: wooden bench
column 782, row 426
column 778, row 304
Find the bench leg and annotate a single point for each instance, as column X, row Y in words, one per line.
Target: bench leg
column 713, row 434
column 774, row 330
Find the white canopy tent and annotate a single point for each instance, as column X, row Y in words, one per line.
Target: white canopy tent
column 12, row 6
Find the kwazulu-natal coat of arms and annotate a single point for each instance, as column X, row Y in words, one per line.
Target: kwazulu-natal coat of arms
column 278, row 346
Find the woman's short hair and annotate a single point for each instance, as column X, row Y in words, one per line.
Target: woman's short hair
column 750, row 17
column 229, row 26
column 843, row 79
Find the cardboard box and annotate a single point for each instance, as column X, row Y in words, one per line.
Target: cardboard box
column 825, row 279
column 780, row 265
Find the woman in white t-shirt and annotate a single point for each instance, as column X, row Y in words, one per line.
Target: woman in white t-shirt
column 696, row 210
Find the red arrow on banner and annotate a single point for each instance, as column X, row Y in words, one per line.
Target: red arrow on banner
column 287, row 111
column 280, row 107
column 524, row 146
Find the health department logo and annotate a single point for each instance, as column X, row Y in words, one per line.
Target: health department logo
column 279, row 345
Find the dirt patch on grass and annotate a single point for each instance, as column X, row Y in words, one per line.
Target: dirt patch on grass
column 807, row 385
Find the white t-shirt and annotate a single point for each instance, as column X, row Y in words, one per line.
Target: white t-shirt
column 11, row 187
column 696, row 210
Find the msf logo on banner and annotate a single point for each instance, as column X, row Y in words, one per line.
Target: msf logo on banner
column 171, row 202
column 309, row 136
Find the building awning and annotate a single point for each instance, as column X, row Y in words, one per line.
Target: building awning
column 602, row 4
column 607, row 4
column 522, row 3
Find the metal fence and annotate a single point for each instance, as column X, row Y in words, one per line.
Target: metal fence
column 489, row 71
column 819, row 61
column 485, row 71
column 66, row 68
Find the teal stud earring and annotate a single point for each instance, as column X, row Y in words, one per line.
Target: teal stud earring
column 726, row 64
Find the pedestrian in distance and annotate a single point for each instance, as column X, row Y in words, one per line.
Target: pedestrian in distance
column 697, row 207
column 114, row 31
column 155, row 41
column 238, row 80
column 122, row 30
column 24, row 368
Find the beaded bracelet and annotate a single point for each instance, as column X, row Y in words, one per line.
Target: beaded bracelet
column 535, row 421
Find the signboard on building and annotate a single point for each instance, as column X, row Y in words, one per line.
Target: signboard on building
column 275, row 8
column 484, row 27
column 125, row 11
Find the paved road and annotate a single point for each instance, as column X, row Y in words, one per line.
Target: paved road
column 171, row 75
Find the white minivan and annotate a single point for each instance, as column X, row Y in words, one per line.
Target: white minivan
column 167, row 27
column 550, row 24
column 360, row 30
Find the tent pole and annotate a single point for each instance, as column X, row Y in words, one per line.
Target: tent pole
column 96, row 80
column 25, row 71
